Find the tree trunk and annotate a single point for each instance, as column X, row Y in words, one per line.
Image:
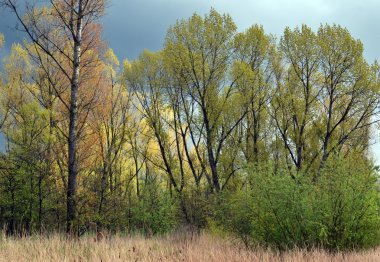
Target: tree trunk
column 72, row 141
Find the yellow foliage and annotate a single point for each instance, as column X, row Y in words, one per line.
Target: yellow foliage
column 1, row 40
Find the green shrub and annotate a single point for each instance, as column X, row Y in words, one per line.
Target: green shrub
column 347, row 205
column 155, row 211
column 197, row 207
column 338, row 210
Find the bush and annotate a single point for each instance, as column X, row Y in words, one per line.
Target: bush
column 347, row 205
column 339, row 210
column 197, row 207
column 155, row 211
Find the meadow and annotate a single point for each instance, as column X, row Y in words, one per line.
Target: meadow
column 175, row 247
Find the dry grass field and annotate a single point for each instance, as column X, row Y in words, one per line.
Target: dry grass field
column 173, row 248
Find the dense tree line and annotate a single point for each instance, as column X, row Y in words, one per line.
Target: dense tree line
column 266, row 139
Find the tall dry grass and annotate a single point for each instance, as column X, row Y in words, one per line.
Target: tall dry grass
column 172, row 248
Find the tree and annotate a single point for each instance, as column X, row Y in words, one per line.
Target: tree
column 73, row 21
column 255, row 60
column 350, row 91
column 110, row 121
column 294, row 106
column 198, row 53
column 27, row 136
column 3, row 100
column 147, row 78
column 325, row 97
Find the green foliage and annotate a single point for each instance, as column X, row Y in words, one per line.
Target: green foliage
column 234, row 215
column 338, row 211
column 197, row 206
column 347, row 195
column 155, row 212
column 26, row 184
